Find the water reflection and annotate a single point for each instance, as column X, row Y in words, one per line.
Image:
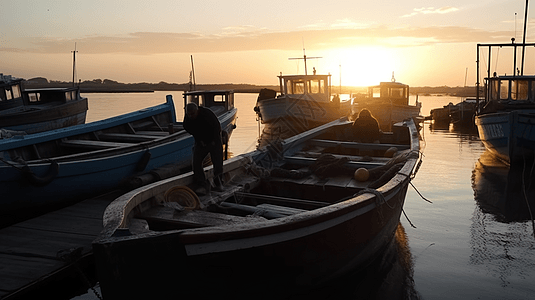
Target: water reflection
column 390, row 276
column 501, row 234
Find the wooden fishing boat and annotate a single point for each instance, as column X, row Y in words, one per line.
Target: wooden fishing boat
column 39, row 171
column 304, row 102
column 389, row 103
column 291, row 217
column 506, row 116
column 441, row 116
column 38, row 110
column 462, row 114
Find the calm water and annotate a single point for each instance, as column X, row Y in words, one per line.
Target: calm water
column 464, row 246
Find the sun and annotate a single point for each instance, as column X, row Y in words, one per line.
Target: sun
column 361, row 66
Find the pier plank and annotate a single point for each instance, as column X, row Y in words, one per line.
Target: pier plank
column 29, row 249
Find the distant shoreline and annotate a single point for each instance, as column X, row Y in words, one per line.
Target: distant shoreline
column 116, row 87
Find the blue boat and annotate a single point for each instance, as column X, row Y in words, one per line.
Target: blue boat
column 506, row 117
column 38, row 110
column 38, row 171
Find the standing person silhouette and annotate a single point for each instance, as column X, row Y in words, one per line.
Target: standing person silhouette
column 203, row 124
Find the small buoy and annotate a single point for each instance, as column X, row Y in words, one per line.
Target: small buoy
column 390, row 152
column 362, row 174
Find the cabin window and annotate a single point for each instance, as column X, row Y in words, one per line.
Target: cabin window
column 219, row 99
column 397, row 92
column 316, row 86
column 68, row 96
column 519, row 90
column 16, row 91
column 9, row 96
column 33, row 97
column 297, row 87
column 376, row 92
column 504, row 90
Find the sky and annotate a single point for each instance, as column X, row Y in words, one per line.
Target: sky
column 360, row 43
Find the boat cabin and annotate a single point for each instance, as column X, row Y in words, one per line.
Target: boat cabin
column 318, row 86
column 49, row 95
column 396, row 92
column 214, row 99
column 10, row 92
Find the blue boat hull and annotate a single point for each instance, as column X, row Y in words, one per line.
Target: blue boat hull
column 509, row 136
column 69, row 178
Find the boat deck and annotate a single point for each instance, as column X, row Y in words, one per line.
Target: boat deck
column 34, row 254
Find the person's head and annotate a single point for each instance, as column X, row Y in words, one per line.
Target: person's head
column 192, row 110
column 365, row 113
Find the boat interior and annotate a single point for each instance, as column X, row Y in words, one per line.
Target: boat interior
column 317, row 174
column 78, row 146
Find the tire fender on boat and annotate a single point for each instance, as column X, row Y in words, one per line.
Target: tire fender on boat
column 143, row 161
column 35, row 180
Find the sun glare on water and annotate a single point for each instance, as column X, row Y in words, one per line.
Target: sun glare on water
column 362, row 66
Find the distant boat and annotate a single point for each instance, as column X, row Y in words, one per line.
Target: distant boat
column 38, row 171
column 389, row 103
column 303, row 101
column 463, row 113
column 292, row 216
column 441, row 116
column 38, row 110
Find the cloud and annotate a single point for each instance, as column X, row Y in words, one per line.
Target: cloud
column 431, row 10
column 249, row 38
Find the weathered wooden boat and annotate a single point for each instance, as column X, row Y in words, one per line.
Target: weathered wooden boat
column 441, row 116
column 506, row 114
column 389, row 103
column 38, row 110
column 38, row 171
column 463, row 113
column 303, row 102
column 291, row 217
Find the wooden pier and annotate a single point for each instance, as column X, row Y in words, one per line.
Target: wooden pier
column 51, row 254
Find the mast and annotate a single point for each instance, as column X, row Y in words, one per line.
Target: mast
column 193, row 73
column 524, row 38
column 305, row 59
column 73, row 64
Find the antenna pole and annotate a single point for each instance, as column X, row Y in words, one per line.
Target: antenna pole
column 305, row 58
column 73, row 64
column 193, row 73
column 524, row 38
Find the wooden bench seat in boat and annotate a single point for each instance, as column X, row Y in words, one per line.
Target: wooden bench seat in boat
column 126, row 137
column 88, row 144
column 360, row 146
column 161, row 215
column 153, row 133
column 299, row 160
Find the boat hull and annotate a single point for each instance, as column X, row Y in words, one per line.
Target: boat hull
column 509, row 136
column 47, row 183
column 279, row 261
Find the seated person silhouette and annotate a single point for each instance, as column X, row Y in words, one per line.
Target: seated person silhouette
column 366, row 128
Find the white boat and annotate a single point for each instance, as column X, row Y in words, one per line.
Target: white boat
column 303, row 101
column 389, row 103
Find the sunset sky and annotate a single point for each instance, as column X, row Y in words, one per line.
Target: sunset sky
column 425, row 43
